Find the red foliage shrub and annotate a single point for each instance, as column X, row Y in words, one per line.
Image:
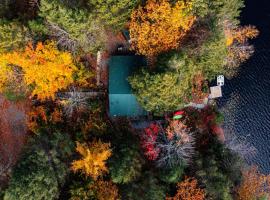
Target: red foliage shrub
column 148, row 141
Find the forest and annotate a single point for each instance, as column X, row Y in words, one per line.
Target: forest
column 58, row 139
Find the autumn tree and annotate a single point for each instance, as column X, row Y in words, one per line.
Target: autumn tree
column 176, row 147
column 86, row 188
column 159, row 26
column 254, row 185
column 199, row 89
column 41, row 116
column 148, row 139
column 237, row 43
column 43, row 69
column 93, row 158
column 104, row 190
column 188, row 190
column 240, row 34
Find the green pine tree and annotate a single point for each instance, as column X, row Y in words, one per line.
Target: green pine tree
column 74, row 29
column 113, row 13
column 41, row 171
column 13, row 35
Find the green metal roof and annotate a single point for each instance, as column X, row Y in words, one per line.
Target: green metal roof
column 121, row 100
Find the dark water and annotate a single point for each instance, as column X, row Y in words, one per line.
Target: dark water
column 246, row 101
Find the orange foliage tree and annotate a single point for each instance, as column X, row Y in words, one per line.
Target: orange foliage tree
column 44, row 69
column 39, row 116
column 240, row 34
column 188, row 190
column 237, row 43
column 254, row 185
column 93, row 158
column 199, row 89
column 105, row 190
column 159, row 26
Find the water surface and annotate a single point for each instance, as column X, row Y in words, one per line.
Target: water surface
column 246, row 101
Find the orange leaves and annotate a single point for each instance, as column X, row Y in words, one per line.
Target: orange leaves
column 254, row 185
column 105, row 190
column 44, row 69
column 159, row 26
column 199, row 85
column 241, row 35
column 188, row 190
column 40, row 116
column 93, row 158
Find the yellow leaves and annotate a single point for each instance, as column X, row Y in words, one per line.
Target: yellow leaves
column 84, row 77
column 44, row 68
column 93, row 158
column 159, row 26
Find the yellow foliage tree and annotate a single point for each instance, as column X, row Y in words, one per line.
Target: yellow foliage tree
column 93, row 158
column 254, row 185
column 159, row 26
column 105, row 190
column 44, row 69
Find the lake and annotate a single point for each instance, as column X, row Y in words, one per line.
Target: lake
column 246, row 98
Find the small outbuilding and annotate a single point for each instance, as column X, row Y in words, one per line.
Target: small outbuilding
column 121, row 100
column 215, row 92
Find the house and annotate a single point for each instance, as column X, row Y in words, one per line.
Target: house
column 122, row 103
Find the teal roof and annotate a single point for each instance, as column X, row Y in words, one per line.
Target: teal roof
column 121, row 100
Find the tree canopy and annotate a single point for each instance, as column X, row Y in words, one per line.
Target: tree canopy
column 43, row 69
column 41, row 172
column 114, row 14
column 93, row 158
column 159, row 26
column 159, row 92
column 74, row 29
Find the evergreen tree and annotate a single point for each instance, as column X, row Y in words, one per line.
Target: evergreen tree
column 5, row 8
column 159, row 92
column 125, row 165
column 80, row 190
column 74, row 29
column 217, row 185
column 13, row 35
column 113, row 13
column 41, row 172
column 148, row 188
column 220, row 9
column 172, row 174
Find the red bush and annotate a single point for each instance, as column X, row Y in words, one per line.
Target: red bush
column 148, row 141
